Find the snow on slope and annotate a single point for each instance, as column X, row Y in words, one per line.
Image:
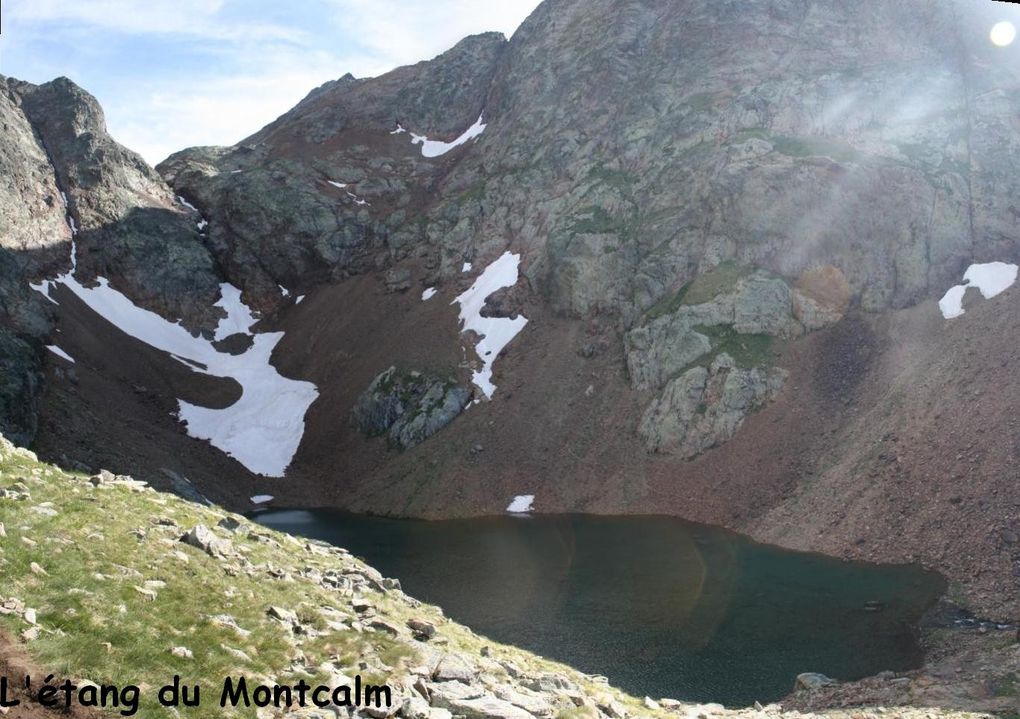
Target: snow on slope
column 239, row 318
column 60, row 353
column 263, row 429
column 436, row 148
column 990, row 279
column 495, row 332
column 521, row 503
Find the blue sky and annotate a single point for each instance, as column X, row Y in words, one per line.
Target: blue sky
column 175, row 73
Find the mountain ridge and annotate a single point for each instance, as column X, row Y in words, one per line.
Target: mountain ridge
column 731, row 241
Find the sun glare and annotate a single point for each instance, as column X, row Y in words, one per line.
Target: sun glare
column 1003, row 33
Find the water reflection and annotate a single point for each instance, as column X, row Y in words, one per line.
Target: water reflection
column 662, row 607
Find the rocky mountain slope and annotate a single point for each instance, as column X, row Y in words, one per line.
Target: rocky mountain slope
column 696, row 248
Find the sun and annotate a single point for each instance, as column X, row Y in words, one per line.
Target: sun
column 1003, row 33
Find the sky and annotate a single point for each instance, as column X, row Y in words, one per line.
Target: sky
column 175, row 73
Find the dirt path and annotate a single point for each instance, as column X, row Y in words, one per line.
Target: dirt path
column 15, row 665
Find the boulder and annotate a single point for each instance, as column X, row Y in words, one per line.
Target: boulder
column 408, row 407
column 704, row 407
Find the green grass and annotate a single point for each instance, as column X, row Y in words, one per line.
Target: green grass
column 97, row 626
column 667, row 305
column 814, row 147
column 719, row 280
column 747, row 350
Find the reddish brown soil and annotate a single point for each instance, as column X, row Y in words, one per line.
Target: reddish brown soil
column 16, row 665
column 894, row 438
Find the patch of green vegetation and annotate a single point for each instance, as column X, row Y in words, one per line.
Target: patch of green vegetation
column 585, row 712
column 814, row 147
column 666, row 306
column 719, row 280
column 748, row 133
column 610, row 176
column 747, row 350
column 699, row 101
column 95, row 621
column 1006, row 686
column 596, row 220
column 475, row 193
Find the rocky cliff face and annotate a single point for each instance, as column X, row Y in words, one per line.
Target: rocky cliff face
column 720, row 208
column 631, row 148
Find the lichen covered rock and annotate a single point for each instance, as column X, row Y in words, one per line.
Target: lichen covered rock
column 704, row 407
column 408, row 407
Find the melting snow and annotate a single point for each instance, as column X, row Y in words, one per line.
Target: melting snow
column 495, row 332
column 261, row 498
column 428, row 294
column 435, row 148
column 522, row 503
column 340, row 185
column 239, row 317
column 262, row 429
column 399, row 129
column 60, row 353
column 186, row 203
column 990, row 279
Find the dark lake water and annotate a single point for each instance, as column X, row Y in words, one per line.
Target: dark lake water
column 662, row 607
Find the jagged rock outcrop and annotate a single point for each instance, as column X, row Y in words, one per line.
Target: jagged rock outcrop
column 703, row 408
column 130, row 228
column 408, row 407
column 329, row 189
column 716, row 308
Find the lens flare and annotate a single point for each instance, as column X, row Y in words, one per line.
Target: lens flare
column 1003, row 33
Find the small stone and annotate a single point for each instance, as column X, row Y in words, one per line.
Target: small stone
column 202, row 538
column 283, row 615
column 30, row 616
column 182, row 652
column 36, row 569
column 147, row 594
column 422, row 629
column 812, row 681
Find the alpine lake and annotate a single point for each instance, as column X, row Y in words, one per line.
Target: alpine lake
column 660, row 606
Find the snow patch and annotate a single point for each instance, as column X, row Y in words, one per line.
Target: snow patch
column 60, row 353
column 340, row 185
column 428, row 294
column 991, row 279
column 299, row 300
column 495, row 332
column 239, row 317
column 466, row 267
column 261, row 430
column 202, row 224
column 436, row 148
column 187, row 204
column 399, row 129
column 521, row 503
column 284, row 291
column 262, row 498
